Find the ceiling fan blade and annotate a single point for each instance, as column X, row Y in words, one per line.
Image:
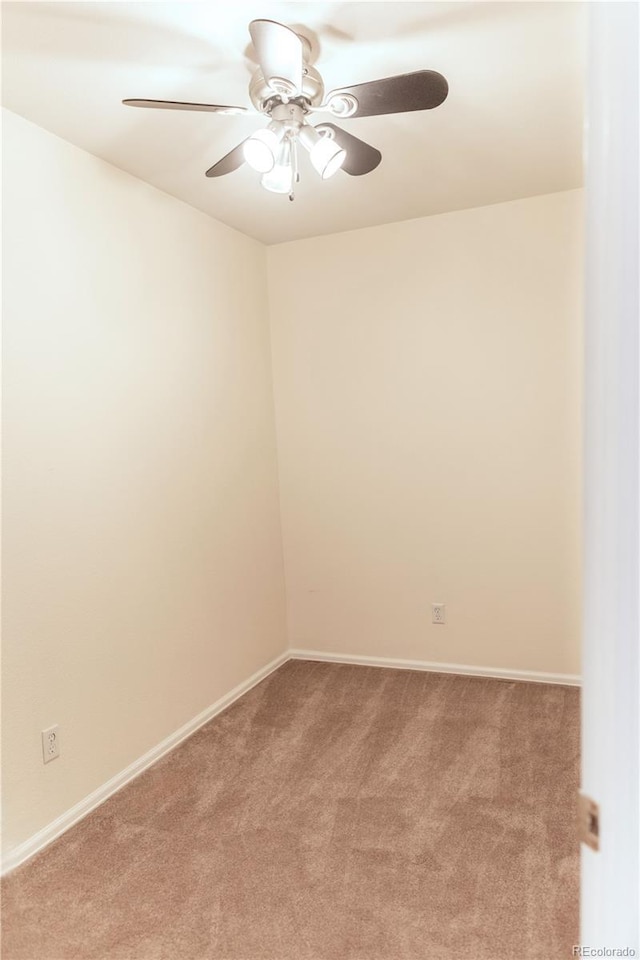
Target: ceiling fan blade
column 230, row 162
column 280, row 54
column 361, row 157
column 182, row 105
column 421, row 90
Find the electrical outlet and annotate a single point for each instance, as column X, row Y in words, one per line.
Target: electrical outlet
column 50, row 744
column 438, row 614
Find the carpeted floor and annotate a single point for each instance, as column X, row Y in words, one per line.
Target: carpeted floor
column 334, row 813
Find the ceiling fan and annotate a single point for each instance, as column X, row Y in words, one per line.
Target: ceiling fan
column 287, row 89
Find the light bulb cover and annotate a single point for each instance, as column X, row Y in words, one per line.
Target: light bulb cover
column 325, row 154
column 261, row 149
column 327, row 157
column 280, row 178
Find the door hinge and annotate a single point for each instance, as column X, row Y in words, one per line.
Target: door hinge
column 589, row 821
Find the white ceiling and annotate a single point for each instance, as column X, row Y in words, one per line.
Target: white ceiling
column 510, row 128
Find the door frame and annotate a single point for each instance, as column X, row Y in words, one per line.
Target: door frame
column 610, row 697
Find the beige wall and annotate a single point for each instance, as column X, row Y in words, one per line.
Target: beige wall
column 142, row 553
column 427, row 382
column 428, row 392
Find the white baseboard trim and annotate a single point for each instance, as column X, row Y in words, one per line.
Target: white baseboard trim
column 498, row 673
column 13, row 858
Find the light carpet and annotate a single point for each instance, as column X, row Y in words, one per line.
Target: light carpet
column 335, row 812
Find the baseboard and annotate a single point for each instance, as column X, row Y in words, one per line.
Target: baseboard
column 13, row 858
column 52, row 831
column 498, row 673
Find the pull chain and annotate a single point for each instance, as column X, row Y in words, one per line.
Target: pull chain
column 295, row 176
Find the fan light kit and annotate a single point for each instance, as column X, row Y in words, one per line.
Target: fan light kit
column 287, row 89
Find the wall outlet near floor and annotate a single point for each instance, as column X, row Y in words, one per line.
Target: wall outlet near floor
column 50, row 744
column 438, row 613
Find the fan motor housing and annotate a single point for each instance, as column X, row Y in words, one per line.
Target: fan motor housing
column 264, row 96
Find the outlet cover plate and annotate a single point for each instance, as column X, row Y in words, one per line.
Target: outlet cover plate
column 50, row 744
column 438, row 613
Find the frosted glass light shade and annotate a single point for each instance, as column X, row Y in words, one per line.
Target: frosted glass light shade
column 325, row 154
column 261, row 148
column 327, row 157
column 280, row 178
